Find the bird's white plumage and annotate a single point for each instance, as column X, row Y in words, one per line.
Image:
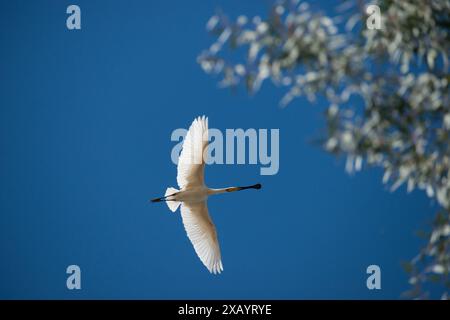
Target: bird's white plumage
column 197, row 222
column 193, row 195
column 202, row 233
column 191, row 164
column 173, row 205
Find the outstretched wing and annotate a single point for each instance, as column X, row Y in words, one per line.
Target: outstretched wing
column 202, row 233
column 191, row 164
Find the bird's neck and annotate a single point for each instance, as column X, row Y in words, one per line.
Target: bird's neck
column 212, row 191
column 232, row 189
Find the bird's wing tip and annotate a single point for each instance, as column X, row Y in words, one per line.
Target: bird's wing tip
column 216, row 268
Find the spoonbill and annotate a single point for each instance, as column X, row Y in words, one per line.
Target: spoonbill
column 193, row 195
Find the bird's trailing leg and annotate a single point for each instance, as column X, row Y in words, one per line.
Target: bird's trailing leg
column 169, row 193
column 164, row 198
column 169, row 199
column 159, row 199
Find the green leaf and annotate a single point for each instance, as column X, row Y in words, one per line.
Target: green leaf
column 407, row 266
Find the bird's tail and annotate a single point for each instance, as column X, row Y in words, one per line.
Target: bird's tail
column 173, row 205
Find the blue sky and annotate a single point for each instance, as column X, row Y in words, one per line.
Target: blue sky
column 85, row 124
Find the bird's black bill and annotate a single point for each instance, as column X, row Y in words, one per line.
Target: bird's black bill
column 255, row 186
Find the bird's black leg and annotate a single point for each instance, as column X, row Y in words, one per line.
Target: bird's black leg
column 159, row 199
column 164, row 198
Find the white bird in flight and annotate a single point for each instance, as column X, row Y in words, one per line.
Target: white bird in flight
column 193, row 195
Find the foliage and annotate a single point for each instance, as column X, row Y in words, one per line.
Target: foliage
column 399, row 74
